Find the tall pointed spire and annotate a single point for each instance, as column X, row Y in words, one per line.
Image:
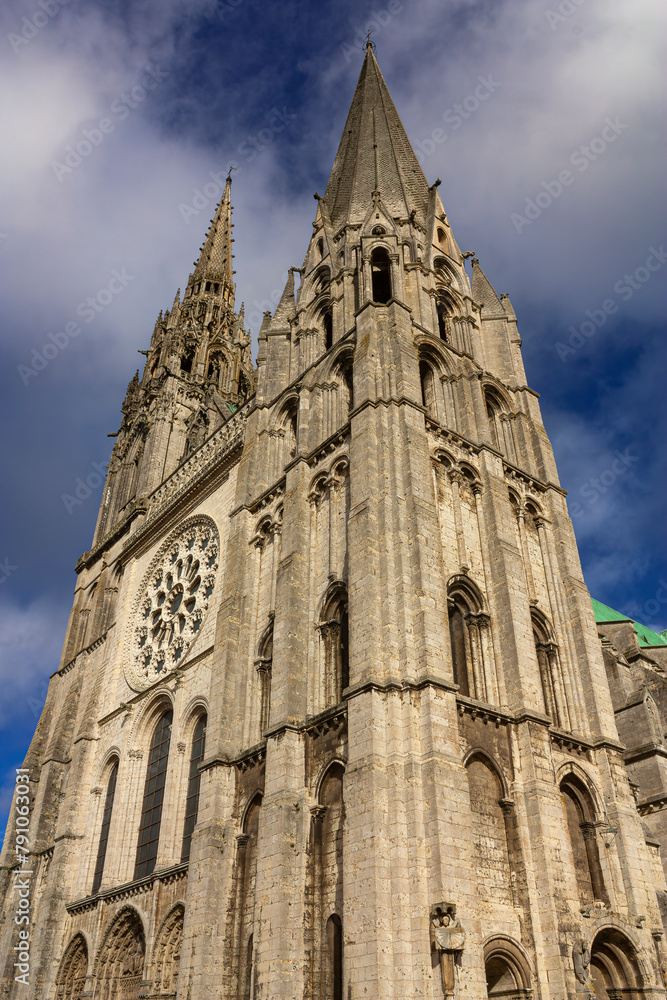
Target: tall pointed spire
column 375, row 155
column 215, row 259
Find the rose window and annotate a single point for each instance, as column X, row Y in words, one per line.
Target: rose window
column 174, row 600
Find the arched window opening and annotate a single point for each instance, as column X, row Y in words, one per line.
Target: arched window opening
column 213, row 368
column 381, row 275
column 71, row 981
column 335, row 957
column 334, row 630
column 151, row 811
column 104, row 832
column 194, row 781
column 347, row 371
column 546, row 651
column 490, row 835
column 443, row 322
column 249, row 970
column 291, row 433
column 322, row 280
column 264, row 665
column 470, row 638
column 507, row 971
column 246, row 874
column 427, row 379
column 579, row 819
column 457, row 638
column 327, row 323
column 494, row 412
column 378, row 231
column 441, row 235
column 326, row 886
column 320, row 247
column 614, row 969
column 187, row 360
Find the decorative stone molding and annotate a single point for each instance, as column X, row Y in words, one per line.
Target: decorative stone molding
column 129, row 889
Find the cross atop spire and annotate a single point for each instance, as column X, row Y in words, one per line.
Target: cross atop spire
column 375, row 154
column 215, row 259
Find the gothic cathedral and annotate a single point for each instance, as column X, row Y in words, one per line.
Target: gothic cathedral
column 333, row 719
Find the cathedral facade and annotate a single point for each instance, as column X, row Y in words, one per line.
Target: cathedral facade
column 333, row 719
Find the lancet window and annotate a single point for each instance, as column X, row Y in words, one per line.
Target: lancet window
column 381, row 275
column 154, row 787
column 194, row 781
column 106, row 823
column 469, row 639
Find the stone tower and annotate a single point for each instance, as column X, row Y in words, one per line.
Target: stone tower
column 332, row 719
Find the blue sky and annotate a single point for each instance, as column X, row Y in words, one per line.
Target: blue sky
column 166, row 94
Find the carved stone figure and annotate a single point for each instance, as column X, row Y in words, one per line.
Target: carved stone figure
column 581, row 958
column 448, row 939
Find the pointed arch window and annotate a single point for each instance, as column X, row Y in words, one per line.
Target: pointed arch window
column 381, row 275
column 581, row 827
column 546, row 651
column 334, row 629
column 335, row 956
column 187, row 360
column 443, row 322
column 327, row 323
column 427, row 380
column 104, row 832
column 264, row 664
column 194, row 781
column 347, row 376
column 326, row 886
column 151, row 811
column 471, row 649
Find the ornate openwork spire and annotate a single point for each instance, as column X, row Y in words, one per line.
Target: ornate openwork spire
column 215, row 259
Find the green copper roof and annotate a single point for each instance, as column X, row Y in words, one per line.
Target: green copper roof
column 646, row 636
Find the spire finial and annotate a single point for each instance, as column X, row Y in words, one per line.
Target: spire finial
column 369, row 44
column 229, row 172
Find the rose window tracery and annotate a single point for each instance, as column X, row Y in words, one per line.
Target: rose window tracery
column 174, row 598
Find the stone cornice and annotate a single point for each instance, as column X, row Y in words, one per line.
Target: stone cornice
column 172, row 874
column 83, row 652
